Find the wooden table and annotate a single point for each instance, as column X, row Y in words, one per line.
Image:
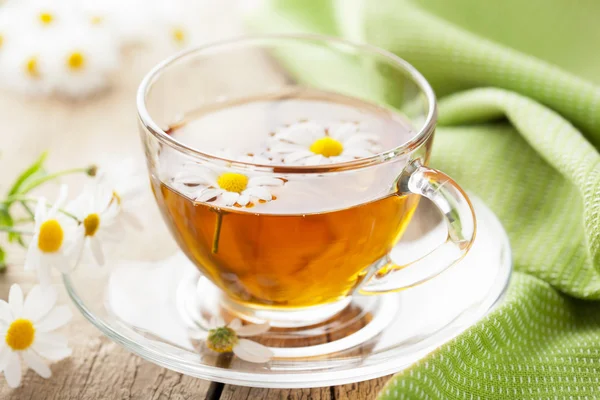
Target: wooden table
column 78, row 133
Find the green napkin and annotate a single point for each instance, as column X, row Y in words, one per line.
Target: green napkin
column 519, row 122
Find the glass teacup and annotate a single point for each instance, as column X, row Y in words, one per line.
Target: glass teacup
column 284, row 242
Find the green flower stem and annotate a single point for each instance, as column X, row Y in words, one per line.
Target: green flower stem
column 215, row 245
column 37, row 182
column 36, row 167
column 13, row 230
column 23, row 220
column 24, row 199
column 27, row 209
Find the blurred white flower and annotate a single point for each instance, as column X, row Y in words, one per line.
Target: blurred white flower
column 73, row 47
column 124, row 181
column 54, row 238
column 82, row 61
column 97, row 210
column 26, row 327
column 126, row 20
column 228, row 338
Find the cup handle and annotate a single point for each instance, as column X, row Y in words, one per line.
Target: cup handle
column 459, row 215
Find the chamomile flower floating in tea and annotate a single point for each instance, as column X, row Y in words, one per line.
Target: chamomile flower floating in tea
column 309, row 143
column 123, row 180
column 26, row 331
column 226, row 187
column 53, row 240
column 98, row 210
column 229, row 338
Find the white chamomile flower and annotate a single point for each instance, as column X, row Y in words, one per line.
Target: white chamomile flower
column 53, row 240
column 82, row 60
column 97, row 209
column 128, row 21
column 24, row 65
column 123, row 180
column 227, row 188
column 228, row 338
column 26, row 332
column 308, row 143
column 177, row 24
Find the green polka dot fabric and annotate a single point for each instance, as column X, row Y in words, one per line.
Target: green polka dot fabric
column 518, row 84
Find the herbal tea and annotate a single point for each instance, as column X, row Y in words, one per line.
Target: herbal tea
column 287, row 241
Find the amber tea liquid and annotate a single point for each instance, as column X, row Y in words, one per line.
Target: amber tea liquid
column 315, row 242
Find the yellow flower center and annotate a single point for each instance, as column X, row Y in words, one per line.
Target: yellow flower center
column 91, row 223
column 232, row 182
column 51, row 236
column 96, row 20
column 179, row 35
column 1, row 40
column 221, row 340
column 46, row 18
column 76, row 61
column 327, row 147
column 31, row 67
column 20, row 334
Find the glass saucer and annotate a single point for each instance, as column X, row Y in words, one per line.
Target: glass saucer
column 154, row 310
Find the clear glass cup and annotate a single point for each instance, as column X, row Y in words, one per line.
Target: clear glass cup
column 299, row 269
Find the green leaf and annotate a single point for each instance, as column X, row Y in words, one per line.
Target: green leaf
column 34, row 171
column 2, row 260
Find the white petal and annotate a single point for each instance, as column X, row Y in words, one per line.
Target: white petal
column 5, row 352
column 357, row 152
column 36, row 363
column 216, row 322
column 357, row 141
column 230, row 198
column 75, row 250
column 260, row 192
column 53, row 353
column 253, row 329
column 297, row 156
column 197, row 175
column 12, row 371
column 243, row 199
column 62, row 197
column 48, row 340
column 132, row 220
column 40, row 212
column 235, row 324
column 97, row 252
column 316, row 159
column 39, row 302
column 368, row 137
column 32, row 260
column 208, row 193
column 44, row 275
column 5, row 312
column 343, row 131
column 303, row 132
column 341, row 159
column 252, row 352
column 286, row 148
column 15, row 300
column 264, row 181
column 55, row 319
column 56, row 260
